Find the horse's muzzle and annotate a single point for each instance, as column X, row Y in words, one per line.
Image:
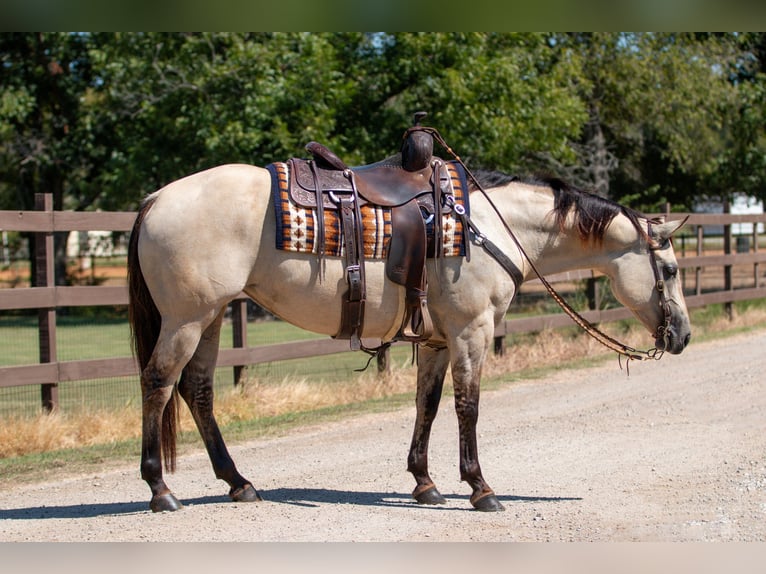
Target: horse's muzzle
column 672, row 341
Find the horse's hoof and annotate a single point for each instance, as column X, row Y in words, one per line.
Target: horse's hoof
column 165, row 503
column 429, row 496
column 245, row 494
column 488, row 503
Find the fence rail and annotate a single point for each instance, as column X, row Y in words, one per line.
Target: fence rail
column 47, row 297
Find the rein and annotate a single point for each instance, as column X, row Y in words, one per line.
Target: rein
column 621, row 349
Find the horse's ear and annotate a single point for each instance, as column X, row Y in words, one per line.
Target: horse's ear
column 665, row 230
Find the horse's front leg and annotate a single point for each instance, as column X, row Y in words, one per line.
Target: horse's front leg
column 432, row 368
column 467, row 362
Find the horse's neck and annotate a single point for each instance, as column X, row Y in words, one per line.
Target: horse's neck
column 553, row 249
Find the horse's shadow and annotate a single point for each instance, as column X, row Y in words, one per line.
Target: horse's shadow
column 308, row 497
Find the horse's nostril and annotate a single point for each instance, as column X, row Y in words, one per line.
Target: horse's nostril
column 687, row 339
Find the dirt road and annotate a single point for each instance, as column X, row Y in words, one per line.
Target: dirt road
column 674, row 452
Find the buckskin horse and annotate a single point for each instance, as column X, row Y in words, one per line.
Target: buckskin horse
column 200, row 241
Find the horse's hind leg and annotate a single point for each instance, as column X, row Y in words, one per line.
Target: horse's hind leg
column 432, row 368
column 196, row 388
column 173, row 349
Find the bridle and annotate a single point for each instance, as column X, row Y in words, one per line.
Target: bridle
column 663, row 331
column 623, row 350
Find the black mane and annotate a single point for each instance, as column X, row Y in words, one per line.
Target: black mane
column 593, row 213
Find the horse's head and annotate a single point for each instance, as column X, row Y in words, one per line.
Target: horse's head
column 645, row 279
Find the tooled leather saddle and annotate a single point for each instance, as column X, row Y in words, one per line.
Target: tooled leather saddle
column 416, row 186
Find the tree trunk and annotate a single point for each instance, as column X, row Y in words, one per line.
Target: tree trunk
column 599, row 161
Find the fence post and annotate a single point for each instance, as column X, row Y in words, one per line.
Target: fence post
column 728, row 283
column 44, row 268
column 700, row 251
column 756, row 266
column 593, row 293
column 239, row 333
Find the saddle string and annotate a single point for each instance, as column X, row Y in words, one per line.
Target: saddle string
column 609, row 342
column 320, row 235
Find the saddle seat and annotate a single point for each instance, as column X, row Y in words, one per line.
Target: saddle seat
column 385, row 183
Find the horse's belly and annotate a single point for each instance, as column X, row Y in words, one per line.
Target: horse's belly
column 292, row 290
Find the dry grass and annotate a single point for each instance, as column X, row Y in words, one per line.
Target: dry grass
column 43, row 433
column 253, row 400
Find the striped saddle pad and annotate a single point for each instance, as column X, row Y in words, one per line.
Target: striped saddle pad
column 296, row 225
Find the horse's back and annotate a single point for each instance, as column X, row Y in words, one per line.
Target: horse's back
column 218, row 191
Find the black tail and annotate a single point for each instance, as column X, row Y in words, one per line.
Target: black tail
column 145, row 323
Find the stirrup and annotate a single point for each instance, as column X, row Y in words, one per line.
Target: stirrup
column 417, row 325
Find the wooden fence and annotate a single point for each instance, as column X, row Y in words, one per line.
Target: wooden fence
column 46, row 297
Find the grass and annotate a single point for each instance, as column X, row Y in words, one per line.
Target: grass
column 76, row 336
column 90, row 338
column 35, row 447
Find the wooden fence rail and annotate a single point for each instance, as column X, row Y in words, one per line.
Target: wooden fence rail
column 47, row 297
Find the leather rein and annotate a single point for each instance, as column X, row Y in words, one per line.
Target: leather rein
column 505, row 262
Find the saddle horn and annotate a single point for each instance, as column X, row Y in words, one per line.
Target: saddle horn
column 418, row 145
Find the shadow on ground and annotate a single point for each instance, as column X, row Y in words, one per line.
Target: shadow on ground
column 308, row 497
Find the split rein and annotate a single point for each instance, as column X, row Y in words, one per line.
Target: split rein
column 623, row 350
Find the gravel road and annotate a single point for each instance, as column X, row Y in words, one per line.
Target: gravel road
column 676, row 451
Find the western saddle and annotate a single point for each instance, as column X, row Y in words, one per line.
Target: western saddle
column 416, row 186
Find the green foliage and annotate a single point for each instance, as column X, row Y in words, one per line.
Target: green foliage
column 496, row 98
column 101, row 119
column 662, row 114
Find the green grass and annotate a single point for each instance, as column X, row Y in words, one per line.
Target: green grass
column 81, row 338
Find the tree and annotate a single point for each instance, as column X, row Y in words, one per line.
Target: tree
column 186, row 102
column 43, row 79
column 190, row 101
column 657, row 106
column 740, row 165
column 50, row 142
column 103, row 119
column 496, row 98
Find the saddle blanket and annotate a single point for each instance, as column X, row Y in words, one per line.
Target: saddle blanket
column 296, row 225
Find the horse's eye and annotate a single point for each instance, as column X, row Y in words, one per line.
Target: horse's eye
column 671, row 270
